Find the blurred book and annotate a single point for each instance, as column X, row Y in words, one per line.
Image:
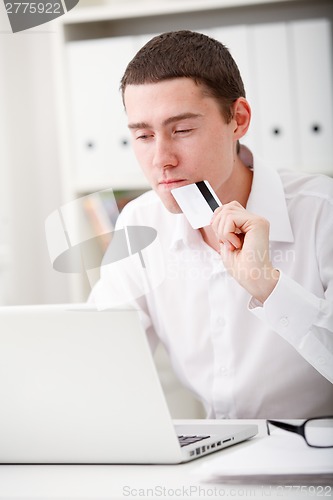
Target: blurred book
column 102, row 210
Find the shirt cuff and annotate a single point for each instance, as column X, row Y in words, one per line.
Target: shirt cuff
column 290, row 310
column 295, row 314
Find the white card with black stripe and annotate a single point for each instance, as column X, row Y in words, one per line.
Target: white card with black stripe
column 198, row 202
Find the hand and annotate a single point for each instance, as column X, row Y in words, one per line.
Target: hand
column 244, row 248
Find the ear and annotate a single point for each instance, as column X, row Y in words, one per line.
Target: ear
column 241, row 117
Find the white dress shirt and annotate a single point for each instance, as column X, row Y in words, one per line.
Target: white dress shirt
column 241, row 358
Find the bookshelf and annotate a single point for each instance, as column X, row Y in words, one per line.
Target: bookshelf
column 276, row 44
column 284, row 46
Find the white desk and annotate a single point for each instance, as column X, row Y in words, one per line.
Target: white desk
column 96, row 482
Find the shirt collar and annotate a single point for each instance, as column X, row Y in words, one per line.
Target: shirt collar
column 183, row 233
column 266, row 199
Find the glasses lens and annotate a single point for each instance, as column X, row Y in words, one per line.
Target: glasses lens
column 319, row 432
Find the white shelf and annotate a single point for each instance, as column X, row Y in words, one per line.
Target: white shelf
column 141, row 8
column 120, row 184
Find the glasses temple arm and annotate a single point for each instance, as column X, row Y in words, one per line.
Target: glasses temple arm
column 284, row 425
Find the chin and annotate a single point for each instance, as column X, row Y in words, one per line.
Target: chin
column 170, row 204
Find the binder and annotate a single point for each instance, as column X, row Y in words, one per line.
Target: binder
column 272, row 80
column 311, row 54
column 102, row 155
column 236, row 39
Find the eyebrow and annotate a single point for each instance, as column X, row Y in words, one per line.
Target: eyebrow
column 167, row 121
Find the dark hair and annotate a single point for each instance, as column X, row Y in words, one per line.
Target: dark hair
column 178, row 54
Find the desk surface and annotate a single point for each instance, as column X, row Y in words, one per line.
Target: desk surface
column 189, row 480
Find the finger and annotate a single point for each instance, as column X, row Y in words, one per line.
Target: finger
column 217, row 211
column 232, row 241
column 227, row 231
column 233, row 208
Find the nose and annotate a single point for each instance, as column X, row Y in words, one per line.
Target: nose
column 164, row 154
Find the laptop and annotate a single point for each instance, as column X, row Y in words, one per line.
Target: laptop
column 79, row 386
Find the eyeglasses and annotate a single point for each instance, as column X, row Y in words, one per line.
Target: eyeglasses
column 317, row 432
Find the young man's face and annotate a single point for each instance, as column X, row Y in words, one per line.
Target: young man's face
column 180, row 137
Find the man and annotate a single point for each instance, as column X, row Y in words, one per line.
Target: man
column 245, row 304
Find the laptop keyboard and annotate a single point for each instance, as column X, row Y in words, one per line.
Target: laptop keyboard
column 186, row 440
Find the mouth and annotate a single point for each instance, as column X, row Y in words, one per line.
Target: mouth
column 171, row 183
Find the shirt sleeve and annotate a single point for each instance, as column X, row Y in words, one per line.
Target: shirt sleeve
column 123, row 284
column 300, row 309
column 302, row 319
column 105, row 294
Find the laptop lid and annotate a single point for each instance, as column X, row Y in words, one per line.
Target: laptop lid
column 80, row 386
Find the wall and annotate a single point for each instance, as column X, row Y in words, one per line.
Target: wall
column 31, row 164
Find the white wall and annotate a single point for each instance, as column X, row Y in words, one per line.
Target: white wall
column 4, row 223
column 29, row 163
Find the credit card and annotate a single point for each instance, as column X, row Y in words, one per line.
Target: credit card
column 198, row 202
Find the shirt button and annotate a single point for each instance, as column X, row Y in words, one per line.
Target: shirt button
column 284, row 321
column 223, row 370
column 321, row 360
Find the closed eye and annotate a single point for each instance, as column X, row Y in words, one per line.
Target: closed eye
column 143, row 137
column 184, row 131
